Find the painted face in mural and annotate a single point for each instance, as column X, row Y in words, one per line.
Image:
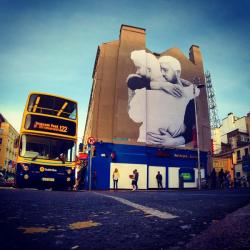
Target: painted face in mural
column 146, row 64
column 142, row 70
column 170, row 68
column 168, row 73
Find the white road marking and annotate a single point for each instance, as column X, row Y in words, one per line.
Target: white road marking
column 6, row 188
column 146, row 210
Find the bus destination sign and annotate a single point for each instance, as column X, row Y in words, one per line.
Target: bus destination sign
column 50, row 125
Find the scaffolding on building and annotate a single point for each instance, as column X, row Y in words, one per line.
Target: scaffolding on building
column 213, row 111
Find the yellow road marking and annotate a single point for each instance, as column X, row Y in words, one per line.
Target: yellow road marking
column 33, row 230
column 83, row 224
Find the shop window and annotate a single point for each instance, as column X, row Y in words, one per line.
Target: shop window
column 238, row 155
column 246, row 151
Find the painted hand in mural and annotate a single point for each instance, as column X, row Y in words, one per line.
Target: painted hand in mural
column 175, row 90
column 164, row 139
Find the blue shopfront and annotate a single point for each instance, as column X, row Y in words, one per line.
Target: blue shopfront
column 171, row 163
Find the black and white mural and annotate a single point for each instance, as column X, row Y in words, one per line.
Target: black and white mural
column 161, row 100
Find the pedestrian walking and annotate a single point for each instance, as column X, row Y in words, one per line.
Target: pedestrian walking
column 159, row 180
column 116, row 177
column 248, row 179
column 221, row 177
column 78, row 174
column 132, row 177
column 243, row 181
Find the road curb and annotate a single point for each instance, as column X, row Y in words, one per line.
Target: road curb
column 232, row 232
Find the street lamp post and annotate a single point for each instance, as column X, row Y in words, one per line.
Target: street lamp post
column 90, row 165
column 197, row 83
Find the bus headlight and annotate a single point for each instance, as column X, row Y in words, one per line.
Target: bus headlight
column 25, row 167
column 26, row 176
column 69, row 171
column 41, row 169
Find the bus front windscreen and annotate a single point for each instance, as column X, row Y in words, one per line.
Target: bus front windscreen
column 47, row 148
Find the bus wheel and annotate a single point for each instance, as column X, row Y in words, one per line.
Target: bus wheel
column 18, row 184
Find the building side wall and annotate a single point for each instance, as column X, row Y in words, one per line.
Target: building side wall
column 227, row 124
column 241, row 124
column 231, row 123
column 108, row 118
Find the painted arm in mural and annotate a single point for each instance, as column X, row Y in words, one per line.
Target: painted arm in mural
column 170, row 88
column 135, row 81
column 174, row 89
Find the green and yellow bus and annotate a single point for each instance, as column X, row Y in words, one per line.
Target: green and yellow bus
column 47, row 143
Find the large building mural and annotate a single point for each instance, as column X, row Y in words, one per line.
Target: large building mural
column 144, row 98
column 142, row 114
column 153, row 91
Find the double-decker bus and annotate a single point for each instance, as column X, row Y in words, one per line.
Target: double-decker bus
column 47, row 144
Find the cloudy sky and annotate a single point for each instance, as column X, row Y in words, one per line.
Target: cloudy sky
column 50, row 46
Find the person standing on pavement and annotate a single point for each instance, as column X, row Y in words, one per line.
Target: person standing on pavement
column 159, row 180
column 228, row 179
column 248, row 179
column 116, row 177
column 94, row 179
column 136, row 179
column 221, row 178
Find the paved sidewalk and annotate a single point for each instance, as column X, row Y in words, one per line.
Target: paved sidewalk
column 233, row 232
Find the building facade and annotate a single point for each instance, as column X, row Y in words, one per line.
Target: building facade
column 133, row 108
column 233, row 143
column 8, row 153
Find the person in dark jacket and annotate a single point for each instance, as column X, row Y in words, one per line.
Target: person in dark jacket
column 221, row 177
column 159, row 180
column 213, row 178
column 136, row 179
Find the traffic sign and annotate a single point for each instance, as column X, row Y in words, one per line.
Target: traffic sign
column 91, row 140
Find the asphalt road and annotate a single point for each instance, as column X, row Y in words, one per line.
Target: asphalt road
column 35, row 219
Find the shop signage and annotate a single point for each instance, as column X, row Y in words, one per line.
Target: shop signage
column 185, row 156
column 161, row 153
column 187, row 174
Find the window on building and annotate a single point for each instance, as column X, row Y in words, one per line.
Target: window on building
column 246, row 151
column 238, row 155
